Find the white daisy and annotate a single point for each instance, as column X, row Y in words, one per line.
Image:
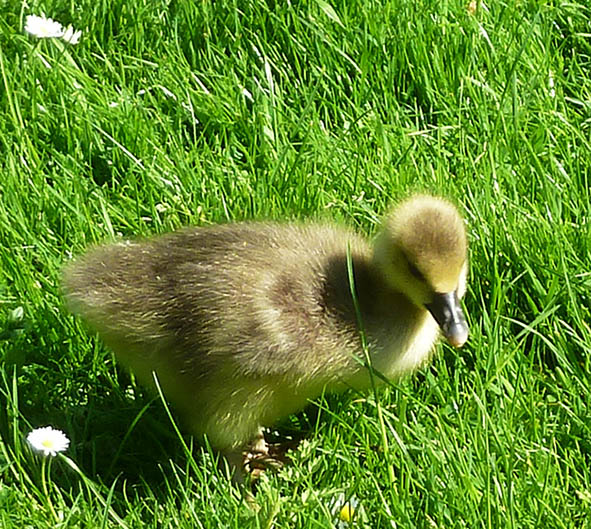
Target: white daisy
column 43, row 28
column 48, row 440
column 46, row 28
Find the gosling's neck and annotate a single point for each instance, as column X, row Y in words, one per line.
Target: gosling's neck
column 381, row 304
column 400, row 335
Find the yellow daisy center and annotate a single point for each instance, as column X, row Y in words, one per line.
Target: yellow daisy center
column 346, row 513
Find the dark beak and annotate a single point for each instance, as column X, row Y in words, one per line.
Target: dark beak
column 448, row 313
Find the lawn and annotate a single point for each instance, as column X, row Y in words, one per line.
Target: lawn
column 169, row 113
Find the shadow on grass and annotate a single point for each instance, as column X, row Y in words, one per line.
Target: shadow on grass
column 123, row 438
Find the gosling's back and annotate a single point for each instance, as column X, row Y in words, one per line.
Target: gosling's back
column 268, row 298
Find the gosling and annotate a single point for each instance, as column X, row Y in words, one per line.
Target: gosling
column 242, row 324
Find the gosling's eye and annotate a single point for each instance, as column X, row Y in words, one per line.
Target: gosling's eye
column 415, row 272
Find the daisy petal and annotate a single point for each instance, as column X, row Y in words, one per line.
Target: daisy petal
column 71, row 36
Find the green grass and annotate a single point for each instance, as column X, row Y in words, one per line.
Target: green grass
column 174, row 113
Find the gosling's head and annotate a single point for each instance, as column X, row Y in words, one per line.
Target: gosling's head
column 421, row 252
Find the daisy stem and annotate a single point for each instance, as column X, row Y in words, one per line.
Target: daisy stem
column 45, row 476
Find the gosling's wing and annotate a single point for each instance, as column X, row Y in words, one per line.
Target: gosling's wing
column 150, row 289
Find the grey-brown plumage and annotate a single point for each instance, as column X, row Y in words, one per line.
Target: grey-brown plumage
column 244, row 323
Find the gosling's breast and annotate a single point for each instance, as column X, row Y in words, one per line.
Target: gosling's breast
column 406, row 345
